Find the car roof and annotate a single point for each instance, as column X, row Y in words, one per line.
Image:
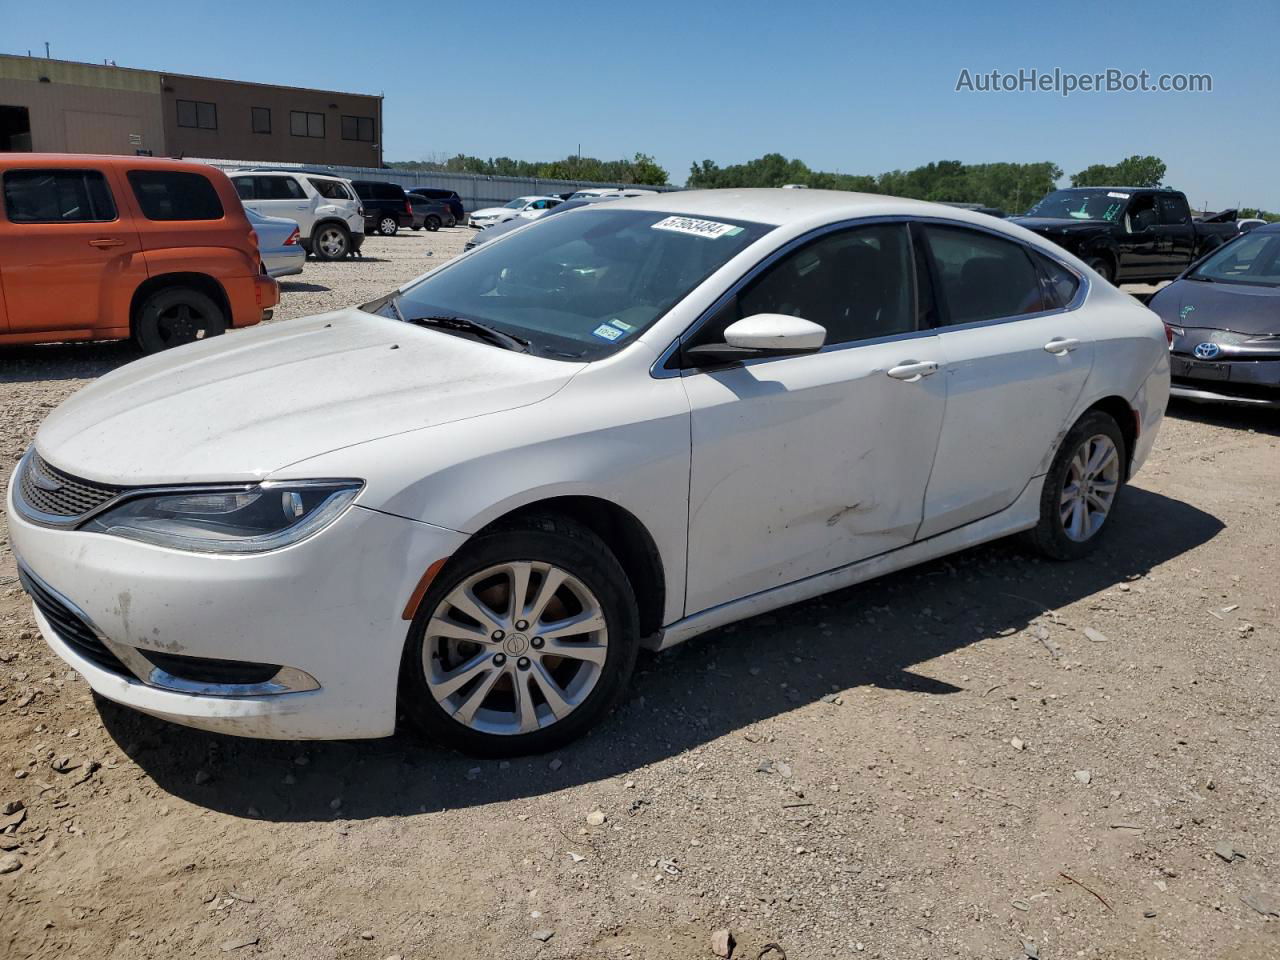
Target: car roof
column 73, row 161
column 778, row 207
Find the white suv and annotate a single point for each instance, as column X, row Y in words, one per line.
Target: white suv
column 329, row 215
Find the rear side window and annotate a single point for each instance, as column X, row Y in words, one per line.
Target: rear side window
column 174, row 195
column 388, row 191
column 1060, row 283
column 244, row 187
column 330, row 189
column 58, row 196
column 981, row 276
column 362, row 189
column 278, row 188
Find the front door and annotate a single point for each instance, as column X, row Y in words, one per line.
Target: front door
column 803, row 464
column 1016, row 361
column 69, row 253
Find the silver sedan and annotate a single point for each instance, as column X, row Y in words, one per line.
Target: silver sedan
column 282, row 254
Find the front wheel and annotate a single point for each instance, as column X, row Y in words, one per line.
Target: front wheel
column 174, row 316
column 522, row 643
column 388, row 226
column 1081, row 489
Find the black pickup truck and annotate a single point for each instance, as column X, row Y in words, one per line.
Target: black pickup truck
column 1128, row 234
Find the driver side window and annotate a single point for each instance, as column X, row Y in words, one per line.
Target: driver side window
column 1141, row 214
column 858, row 284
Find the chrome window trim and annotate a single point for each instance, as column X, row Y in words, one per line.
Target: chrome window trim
column 660, row 371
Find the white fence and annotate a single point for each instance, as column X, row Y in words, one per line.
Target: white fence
column 475, row 190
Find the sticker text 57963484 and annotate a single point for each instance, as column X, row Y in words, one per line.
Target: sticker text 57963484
column 691, row 226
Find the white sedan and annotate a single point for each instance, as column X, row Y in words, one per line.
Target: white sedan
column 529, row 208
column 475, row 499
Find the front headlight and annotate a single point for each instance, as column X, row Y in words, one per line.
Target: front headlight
column 229, row 519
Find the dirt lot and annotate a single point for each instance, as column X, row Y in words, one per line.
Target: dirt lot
column 986, row 757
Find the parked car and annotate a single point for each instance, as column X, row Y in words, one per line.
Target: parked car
column 111, row 248
column 1223, row 321
column 282, row 254
column 1248, row 223
column 329, row 215
column 386, row 206
column 622, row 427
column 502, row 229
column 530, row 208
column 1128, row 234
column 450, row 197
column 432, row 214
column 618, row 191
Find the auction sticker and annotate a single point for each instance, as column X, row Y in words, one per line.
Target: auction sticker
column 1118, row 196
column 710, row 229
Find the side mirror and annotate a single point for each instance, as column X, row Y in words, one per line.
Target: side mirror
column 761, row 335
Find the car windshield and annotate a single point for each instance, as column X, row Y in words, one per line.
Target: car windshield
column 517, row 203
column 1098, row 204
column 1253, row 259
column 581, row 287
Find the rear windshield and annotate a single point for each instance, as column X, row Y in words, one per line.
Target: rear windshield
column 584, row 285
column 175, row 195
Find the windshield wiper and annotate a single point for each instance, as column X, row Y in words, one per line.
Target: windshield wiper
column 467, row 325
column 1201, row 277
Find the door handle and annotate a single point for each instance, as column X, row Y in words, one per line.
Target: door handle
column 103, row 242
column 913, row 370
column 1061, row 346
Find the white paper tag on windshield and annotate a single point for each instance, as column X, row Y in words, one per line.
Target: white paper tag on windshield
column 697, row 228
column 1118, row 196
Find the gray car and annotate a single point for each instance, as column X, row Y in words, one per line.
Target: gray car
column 278, row 245
column 432, row 214
column 1223, row 322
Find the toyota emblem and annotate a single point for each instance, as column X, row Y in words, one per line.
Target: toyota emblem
column 1206, row 351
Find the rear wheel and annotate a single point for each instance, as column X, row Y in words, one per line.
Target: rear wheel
column 1103, row 267
column 174, row 316
column 1081, row 489
column 387, row 226
column 331, row 242
column 523, row 642
column 452, row 222
column 433, row 223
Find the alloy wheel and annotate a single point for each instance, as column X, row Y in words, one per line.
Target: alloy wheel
column 1093, row 477
column 515, row 647
column 332, row 242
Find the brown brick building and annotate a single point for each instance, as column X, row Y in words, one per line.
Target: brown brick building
column 59, row 106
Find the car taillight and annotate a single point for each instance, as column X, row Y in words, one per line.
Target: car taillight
column 292, row 239
column 408, row 208
column 360, row 210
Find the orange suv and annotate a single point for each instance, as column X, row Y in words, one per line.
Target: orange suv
column 107, row 248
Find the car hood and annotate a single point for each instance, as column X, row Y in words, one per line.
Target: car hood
column 241, row 406
column 1220, row 306
column 492, row 212
column 1056, row 225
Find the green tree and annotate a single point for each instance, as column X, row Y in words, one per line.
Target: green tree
column 1135, row 171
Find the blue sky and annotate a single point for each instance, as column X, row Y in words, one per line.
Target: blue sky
column 843, row 86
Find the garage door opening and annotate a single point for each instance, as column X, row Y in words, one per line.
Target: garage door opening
column 15, row 129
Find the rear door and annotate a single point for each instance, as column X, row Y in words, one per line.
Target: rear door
column 70, row 253
column 1177, row 235
column 1017, row 357
column 803, row 464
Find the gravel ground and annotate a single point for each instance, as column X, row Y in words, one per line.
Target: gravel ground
column 985, row 757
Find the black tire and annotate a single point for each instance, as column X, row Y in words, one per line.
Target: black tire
column 416, row 226
column 388, row 226
column 1050, row 536
column 1102, row 266
column 570, row 547
column 331, row 241
column 174, row 316
column 433, row 223
column 453, row 222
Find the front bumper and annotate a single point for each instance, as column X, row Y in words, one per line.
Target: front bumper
column 329, row 608
column 1246, row 382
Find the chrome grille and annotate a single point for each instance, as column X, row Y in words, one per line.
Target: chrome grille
column 47, row 490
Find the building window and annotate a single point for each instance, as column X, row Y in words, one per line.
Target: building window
column 357, row 128
column 302, row 124
column 197, row 113
column 261, row 119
